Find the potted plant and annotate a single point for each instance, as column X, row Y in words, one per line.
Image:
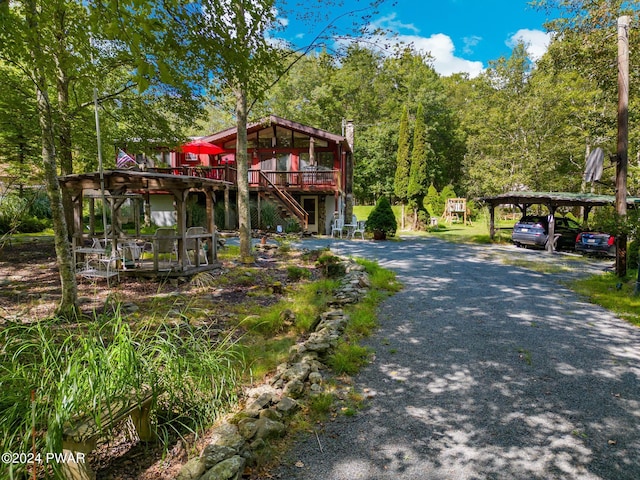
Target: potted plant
column 381, row 221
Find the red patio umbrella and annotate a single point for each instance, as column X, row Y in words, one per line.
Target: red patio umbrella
column 201, row 147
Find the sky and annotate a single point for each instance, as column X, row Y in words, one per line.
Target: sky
column 461, row 35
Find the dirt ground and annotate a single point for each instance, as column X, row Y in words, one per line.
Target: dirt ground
column 30, row 290
column 30, row 283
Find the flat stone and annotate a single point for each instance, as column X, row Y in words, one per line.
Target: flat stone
column 293, row 389
column 229, row 469
column 298, row 371
column 228, row 436
column 267, row 429
column 247, row 427
column 315, row 377
column 287, row 405
column 214, row 454
column 192, row 470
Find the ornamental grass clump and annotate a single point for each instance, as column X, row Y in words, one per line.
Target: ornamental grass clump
column 78, row 371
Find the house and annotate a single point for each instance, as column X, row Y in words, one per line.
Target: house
column 305, row 171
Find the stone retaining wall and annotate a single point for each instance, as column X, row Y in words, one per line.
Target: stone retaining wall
column 268, row 406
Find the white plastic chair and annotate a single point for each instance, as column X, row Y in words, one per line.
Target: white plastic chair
column 359, row 229
column 337, row 226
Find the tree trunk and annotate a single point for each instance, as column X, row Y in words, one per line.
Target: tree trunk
column 63, row 128
column 68, row 302
column 244, row 214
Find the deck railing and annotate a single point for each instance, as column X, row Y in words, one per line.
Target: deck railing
column 281, row 178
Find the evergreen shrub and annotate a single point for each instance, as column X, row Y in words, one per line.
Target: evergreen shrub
column 382, row 219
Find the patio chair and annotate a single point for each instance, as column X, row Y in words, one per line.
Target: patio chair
column 337, row 226
column 191, row 245
column 163, row 242
column 131, row 254
column 106, row 265
column 360, row 225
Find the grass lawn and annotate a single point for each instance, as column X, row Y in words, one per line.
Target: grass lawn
column 477, row 232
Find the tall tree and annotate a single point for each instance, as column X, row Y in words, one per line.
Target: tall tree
column 228, row 39
column 401, row 178
column 49, row 43
column 420, row 173
column 23, row 36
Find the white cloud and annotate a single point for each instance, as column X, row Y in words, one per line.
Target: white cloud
column 439, row 46
column 441, row 49
column 390, row 23
column 470, row 42
column 536, row 41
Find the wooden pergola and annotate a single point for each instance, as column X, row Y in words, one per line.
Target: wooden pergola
column 551, row 200
column 117, row 186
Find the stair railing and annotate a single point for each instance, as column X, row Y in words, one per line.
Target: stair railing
column 287, row 200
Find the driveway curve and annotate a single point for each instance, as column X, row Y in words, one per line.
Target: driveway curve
column 483, row 370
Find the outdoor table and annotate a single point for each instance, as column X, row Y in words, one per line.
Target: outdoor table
column 86, row 252
column 349, row 227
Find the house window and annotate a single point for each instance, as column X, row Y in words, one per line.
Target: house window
column 300, row 141
column 284, row 138
column 325, row 160
column 284, row 162
column 252, row 140
column 304, row 160
column 267, row 162
column 265, row 138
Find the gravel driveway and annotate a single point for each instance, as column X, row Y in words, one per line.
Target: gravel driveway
column 484, row 371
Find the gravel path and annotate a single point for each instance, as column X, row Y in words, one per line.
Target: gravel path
column 484, row 371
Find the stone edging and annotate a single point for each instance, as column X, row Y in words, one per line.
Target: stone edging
column 268, row 406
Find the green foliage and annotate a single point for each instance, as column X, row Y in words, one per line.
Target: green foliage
column 23, row 214
column 80, row 371
column 606, row 219
column 381, row 278
column 382, row 218
column 401, row 181
column 292, row 226
column 295, row 273
column 270, row 218
column 419, row 175
column 447, row 193
column 632, row 254
column 432, row 202
column 196, row 213
column 349, row 358
column 331, row 265
column 219, row 214
column 613, row 293
column 269, row 215
column 320, row 405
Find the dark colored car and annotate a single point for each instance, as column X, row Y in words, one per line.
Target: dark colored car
column 596, row 243
column 533, row 230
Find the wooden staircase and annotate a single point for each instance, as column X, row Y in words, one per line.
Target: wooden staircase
column 288, row 205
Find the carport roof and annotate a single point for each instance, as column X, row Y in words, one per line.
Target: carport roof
column 555, row 199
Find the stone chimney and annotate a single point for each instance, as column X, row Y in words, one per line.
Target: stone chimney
column 348, row 184
column 349, row 132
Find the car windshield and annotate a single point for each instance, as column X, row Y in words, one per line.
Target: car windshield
column 534, row 219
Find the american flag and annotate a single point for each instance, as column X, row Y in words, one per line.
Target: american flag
column 124, row 159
